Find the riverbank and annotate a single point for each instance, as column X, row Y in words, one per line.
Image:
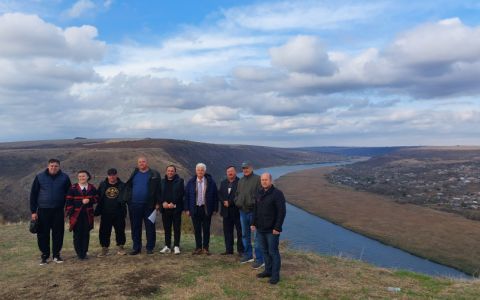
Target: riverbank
column 304, row 275
column 442, row 237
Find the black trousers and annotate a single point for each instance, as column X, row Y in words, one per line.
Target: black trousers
column 81, row 235
column 50, row 220
column 171, row 217
column 229, row 224
column 107, row 221
column 201, row 224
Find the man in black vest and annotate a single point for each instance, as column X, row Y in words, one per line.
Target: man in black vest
column 47, row 203
column 229, row 212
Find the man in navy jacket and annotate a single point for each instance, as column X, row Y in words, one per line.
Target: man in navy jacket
column 200, row 204
column 47, row 202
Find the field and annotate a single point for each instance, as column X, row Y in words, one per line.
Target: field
column 304, row 276
column 443, row 237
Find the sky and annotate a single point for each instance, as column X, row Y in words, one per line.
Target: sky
column 276, row 73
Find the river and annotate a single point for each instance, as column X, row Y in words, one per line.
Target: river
column 308, row 232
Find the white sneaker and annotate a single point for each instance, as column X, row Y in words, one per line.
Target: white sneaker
column 165, row 250
column 176, row 250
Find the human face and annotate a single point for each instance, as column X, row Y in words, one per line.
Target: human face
column 53, row 168
column 266, row 180
column 247, row 171
column 231, row 174
column 112, row 179
column 200, row 172
column 171, row 172
column 142, row 164
column 82, row 178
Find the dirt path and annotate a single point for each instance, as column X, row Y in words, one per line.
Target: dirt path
column 446, row 238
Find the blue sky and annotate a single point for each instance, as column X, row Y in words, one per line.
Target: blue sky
column 280, row 73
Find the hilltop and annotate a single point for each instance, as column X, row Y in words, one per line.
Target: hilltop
column 20, row 161
column 304, row 275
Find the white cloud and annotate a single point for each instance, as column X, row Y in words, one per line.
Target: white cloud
column 286, row 15
column 80, row 8
column 303, row 54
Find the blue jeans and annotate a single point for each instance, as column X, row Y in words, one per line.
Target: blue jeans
column 246, row 220
column 139, row 213
column 269, row 243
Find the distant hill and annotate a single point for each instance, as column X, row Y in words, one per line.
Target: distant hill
column 20, row 161
column 354, row 151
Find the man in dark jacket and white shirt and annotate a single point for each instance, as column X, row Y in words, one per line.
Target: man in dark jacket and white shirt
column 268, row 216
column 47, row 203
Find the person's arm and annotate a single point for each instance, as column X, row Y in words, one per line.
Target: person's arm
column 67, row 186
column 281, row 211
column 69, row 208
column 186, row 205
column 158, row 192
column 215, row 196
column 34, row 198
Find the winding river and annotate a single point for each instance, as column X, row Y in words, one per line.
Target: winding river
column 306, row 231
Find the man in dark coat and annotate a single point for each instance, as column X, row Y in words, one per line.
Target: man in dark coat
column 173, row 190
column 112, row 209
column 200, row 204
column 47, row 202
column 142, row 194
column 229, row 212
column 268, row 216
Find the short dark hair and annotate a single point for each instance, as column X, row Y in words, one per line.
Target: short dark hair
column 86, row 172
column 53, row 160
column 231, row 166
column 175, row 168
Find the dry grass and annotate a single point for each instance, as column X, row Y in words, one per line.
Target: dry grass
column 443, row 237
column 304, row 276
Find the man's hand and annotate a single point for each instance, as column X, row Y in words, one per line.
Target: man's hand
column 275, row 232
column 171, row 205
column 225, row 203
column 85, row 200
column 253, row 228
column 34, row 216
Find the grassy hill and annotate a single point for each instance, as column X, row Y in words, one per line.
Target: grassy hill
column 304, row 275
column 20, row 161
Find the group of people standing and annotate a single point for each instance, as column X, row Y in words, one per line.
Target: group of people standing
column 251, row 205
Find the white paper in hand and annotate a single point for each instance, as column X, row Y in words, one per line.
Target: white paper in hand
column 153, row 216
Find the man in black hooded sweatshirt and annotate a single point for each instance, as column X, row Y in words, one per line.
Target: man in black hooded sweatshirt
column 113, row 211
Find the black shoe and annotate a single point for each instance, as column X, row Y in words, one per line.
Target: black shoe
column 134, row 252
column 226, row 253
column 264, row 275
column 274, row 280
column 57, row 259
column 43, row 262
column 149, row 251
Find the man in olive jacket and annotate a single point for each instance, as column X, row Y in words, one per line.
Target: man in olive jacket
column 142, row 194
column 247, row 188
column 268, row 216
